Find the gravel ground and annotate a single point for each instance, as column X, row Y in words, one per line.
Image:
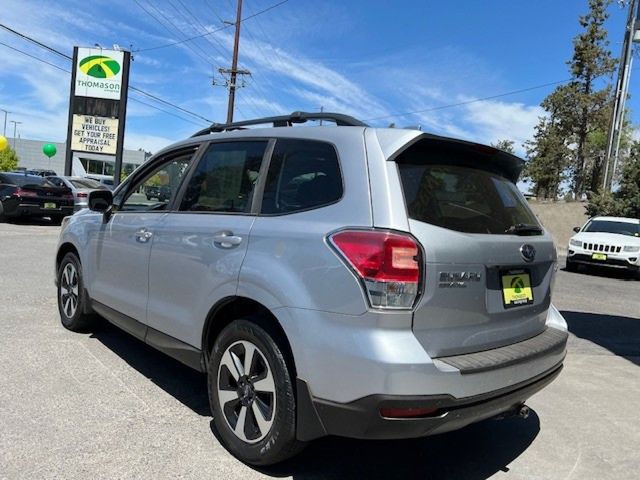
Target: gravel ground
column 104, row 405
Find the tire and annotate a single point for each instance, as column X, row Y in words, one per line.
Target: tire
column 570, row 266
column 57, row 219
column 266, row 390
column 71, row 293
column 3, row 218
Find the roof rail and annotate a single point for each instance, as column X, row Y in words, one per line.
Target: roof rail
column 284, row 121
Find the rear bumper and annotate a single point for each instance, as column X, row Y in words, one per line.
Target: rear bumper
column 362, row 419
column 35, row 210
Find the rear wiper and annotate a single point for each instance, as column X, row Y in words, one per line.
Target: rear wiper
column 524, row 229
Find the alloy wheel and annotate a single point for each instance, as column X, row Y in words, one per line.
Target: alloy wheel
column 69, row 290
column 246, row 391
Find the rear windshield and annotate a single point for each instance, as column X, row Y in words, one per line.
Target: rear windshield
column 463, row 199
column 21, row 180
column 85, row 183
column 607, row 226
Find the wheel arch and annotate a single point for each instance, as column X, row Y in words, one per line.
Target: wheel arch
column 65, row 248
column 234, row 307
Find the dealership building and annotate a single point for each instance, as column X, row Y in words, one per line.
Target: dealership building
column 30, row 155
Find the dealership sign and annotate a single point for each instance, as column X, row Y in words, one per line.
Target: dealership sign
column 99, row 73
column 94, row 134
column 98, row 105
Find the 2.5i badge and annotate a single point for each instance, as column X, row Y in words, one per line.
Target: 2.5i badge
column 516, row 289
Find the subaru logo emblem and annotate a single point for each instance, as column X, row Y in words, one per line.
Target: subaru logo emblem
column 528, row 252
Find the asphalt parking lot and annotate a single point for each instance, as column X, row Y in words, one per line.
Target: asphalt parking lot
column 104, row 405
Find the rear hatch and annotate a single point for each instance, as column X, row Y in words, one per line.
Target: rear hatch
column 489, row 265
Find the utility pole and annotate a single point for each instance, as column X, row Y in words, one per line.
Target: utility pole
column 15, row 126
column 233, row 72
column 6, row 112
column 621, row 93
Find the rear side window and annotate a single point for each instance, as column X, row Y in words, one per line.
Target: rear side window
column 303, row 174
column 225, row 178
column 463, row 199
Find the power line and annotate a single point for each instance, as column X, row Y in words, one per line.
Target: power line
column 57, row 52
column 210, row 32
column 34, row 41
column 202, row 54
column 158, row 99
column 34, row 57
column 204, row 28
column 475, row 100
column 208, row 122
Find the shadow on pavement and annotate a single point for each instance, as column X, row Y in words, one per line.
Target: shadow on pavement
column 619, row 335
column 596, row 271
column 183, row 383
column 38, row 221
column 476, row 452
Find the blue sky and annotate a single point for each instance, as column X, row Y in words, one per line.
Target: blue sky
column 372, row 59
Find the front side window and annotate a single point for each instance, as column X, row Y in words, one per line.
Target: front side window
column 225, row 178
column 155, row 189
column 303, row 174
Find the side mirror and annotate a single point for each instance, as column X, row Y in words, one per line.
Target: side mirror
column 101, row 201
column 576, row 229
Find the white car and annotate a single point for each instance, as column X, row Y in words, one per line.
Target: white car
column 606, row 241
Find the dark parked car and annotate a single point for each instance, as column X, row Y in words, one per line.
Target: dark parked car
column 162, row 192
column 34, row 196
column 40, row 172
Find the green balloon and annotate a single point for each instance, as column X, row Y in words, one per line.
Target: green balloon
column 49, row 150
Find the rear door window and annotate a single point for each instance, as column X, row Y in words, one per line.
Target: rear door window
column 463, row 198
column 303, row 174
column 225, row 178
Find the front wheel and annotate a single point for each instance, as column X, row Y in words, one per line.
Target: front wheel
column 570, row 266
column 251, row 394
column 72, row 297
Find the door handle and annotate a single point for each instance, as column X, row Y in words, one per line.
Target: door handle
column 143, row 235
column 226, row 240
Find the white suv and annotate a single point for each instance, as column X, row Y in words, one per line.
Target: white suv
column 606, row 241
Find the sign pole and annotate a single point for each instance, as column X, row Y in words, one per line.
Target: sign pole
column 68, row 154
column 122, row 114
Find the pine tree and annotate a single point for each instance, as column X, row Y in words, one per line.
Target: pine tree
column 570, row 140
column 504, row 145
column 587, row 111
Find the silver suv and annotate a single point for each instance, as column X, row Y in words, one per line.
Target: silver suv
column 329, row 280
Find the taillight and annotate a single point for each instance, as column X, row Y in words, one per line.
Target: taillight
column 68, row 196
column 387, row 263
column 20, row 192
column 82, row 195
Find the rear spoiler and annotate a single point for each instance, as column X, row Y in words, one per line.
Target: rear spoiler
column 451, row 151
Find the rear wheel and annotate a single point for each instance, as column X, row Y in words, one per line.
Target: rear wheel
column 251, row 394
column 72, row 298
column 57, row 219
column 3, row 218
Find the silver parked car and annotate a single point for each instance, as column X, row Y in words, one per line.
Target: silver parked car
column 353, row 281
column 80, row 187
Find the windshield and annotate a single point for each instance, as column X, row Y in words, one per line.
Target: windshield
column 464, row 199
column 608, row 226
